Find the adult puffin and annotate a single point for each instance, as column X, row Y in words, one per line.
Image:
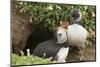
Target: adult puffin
column 76, row 33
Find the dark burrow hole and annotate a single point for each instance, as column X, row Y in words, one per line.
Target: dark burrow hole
column 36, row 37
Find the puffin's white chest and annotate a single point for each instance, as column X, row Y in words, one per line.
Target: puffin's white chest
column 76, row 35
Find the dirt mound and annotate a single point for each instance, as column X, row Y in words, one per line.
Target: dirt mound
column 88, row 55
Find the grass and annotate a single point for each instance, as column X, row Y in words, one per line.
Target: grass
column 27, row 60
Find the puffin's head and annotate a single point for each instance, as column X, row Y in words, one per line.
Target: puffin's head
column 61, row 36
column 76, row 13
column 61, row 32
column 75, row 16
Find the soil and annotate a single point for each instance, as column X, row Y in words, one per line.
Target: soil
column 89, row 54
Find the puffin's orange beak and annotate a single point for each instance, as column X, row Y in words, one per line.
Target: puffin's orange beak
column 65, row 24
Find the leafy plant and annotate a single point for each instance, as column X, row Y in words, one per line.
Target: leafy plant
column 50, row 14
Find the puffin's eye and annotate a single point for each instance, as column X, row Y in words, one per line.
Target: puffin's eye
column 60, row 35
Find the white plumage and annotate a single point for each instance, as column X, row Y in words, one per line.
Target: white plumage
column 61, row 35
column 76, row 35
column 62, row 54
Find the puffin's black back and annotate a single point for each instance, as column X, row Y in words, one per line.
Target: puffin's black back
column 49, row 47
